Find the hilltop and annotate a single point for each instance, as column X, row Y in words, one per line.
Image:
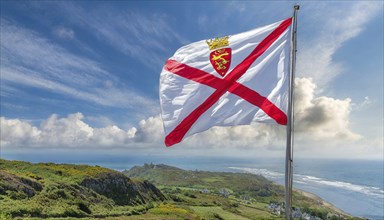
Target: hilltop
column 242, row 184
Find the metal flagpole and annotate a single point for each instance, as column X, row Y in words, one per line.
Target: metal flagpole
column 289, row 148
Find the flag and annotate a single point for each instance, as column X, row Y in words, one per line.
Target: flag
column 227, row 81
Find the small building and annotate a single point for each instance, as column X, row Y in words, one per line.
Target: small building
column 224, row 192
column 206, row 191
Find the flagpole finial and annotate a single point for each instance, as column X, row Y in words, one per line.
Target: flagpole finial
column 296, row 7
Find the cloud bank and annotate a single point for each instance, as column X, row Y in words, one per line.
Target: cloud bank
column 317, row 119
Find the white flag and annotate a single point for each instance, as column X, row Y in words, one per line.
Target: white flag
column 227, row 81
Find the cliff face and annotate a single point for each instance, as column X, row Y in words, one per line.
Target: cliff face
column 18, row 187
column 122, row 189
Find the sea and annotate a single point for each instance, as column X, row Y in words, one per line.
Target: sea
column 354, row 186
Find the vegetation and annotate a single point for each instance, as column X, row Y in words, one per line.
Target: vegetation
column 241, row 184
column 62, row 191
column 225, row 195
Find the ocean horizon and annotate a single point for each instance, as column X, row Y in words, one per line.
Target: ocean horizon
column 354, row 186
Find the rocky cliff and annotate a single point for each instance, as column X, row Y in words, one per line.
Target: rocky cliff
column 122, row 189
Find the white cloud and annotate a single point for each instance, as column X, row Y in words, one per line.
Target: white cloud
column 319, row 120
column 15, row 131
column 64, row 33
column 112, row 136
column 322, row 118
column 321, row 129
column 150, row 130
column 363, row 105
column 68, row 132
column 315, row 56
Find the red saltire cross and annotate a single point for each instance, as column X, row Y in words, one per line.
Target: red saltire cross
column 227, row 84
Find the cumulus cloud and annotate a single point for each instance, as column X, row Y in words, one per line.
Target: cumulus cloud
column 150, row 130
column 318, row 119
column 70, row 131
column 15, row 131
column 322, row 118
column 112, row 136
column 67, row 131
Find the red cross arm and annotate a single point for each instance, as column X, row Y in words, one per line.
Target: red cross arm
column 193, row 74
column 260, row 101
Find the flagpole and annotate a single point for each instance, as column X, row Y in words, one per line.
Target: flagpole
column 289, row 148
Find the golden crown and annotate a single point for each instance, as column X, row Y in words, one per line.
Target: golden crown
column 218, row 42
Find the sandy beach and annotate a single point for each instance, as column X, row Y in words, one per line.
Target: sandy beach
column 322, row 201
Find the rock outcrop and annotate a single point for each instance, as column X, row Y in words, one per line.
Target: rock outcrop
column 122, row 190
column 18, row 187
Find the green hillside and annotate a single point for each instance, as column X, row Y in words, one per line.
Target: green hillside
column 230, row 195
column 63, row 190
column 240, row 184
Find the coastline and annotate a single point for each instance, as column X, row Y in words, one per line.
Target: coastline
column 354, row 208
column 316, row 200
column 322, row 202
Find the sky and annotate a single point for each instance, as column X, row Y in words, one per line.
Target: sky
column 82, row 77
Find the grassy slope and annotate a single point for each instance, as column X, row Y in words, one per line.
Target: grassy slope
column 60, row 190
column 241, row 183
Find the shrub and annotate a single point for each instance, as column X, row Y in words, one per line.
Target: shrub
column 190, row 195
column 5, row 216
column 264, row 193
column 73, row 213
column 83, row 207
column 176, row 198
column 217, row 216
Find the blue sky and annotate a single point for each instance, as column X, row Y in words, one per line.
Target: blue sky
column 83, row 76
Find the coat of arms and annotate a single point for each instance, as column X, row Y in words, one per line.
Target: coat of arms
column 220, row 55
